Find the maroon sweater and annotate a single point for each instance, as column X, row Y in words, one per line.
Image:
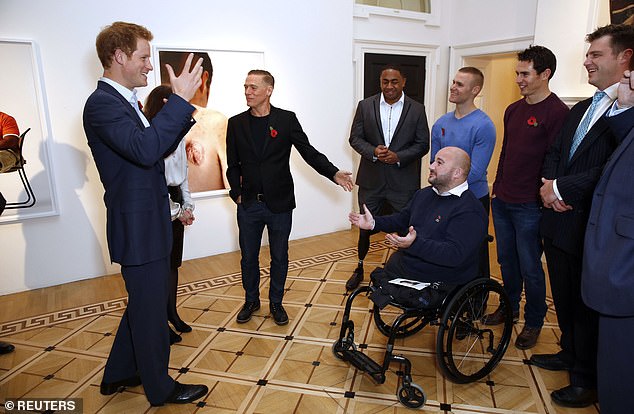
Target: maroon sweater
column 528, row 132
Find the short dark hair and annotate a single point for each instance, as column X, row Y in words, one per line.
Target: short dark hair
column 154, row 101
column 621, row 36
column 119, row 35
column 394, row 66
column 176, row 59
column 541, row 57
column 476, row 73
column 266, row 76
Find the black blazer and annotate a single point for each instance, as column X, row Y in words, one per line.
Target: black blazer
column 245, row 164
column 129, row 158
column 608, row 260
column 576, row 178
column 410, row 142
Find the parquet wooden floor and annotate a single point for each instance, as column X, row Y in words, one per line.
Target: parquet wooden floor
column 259, row 367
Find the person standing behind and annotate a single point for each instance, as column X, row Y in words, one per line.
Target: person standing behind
column 259, row 143
column 572, row 168
column 530, row 126
column 128, row 153
column 391, row 134
column 181, row 207
column 607, row 285
column 469, row 128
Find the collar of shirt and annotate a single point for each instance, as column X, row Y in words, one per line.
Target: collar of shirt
column 125, row 92
column 457, row 190
column 604, row 104
column 400, row 102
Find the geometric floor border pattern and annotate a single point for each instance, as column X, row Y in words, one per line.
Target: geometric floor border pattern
column 259, row 367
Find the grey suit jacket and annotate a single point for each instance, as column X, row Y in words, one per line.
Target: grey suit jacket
column 410, row 142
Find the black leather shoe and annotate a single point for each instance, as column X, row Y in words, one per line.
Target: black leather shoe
column 185, row 393
column 181, row 326
column 551, row 362
column 174, row 337
column 279, row 314
column 6, row 347
column 527, row 338
column 355, row 280
column 247, row 310
column 109, row 388
column 574, row 397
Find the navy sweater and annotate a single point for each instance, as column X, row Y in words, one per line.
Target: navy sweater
column 449, row 232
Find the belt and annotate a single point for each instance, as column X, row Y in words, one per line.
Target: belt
column 259, row 198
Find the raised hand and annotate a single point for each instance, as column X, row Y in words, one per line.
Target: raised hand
column 402, row 242
column 364, row 221
column 344, row 179
column 188, row 81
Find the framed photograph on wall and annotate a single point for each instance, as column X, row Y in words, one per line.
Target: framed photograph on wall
column 23, row 97
column 220, row 96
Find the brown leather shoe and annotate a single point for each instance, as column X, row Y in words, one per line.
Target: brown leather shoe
column 497, row 317
column 355, row 280
column 527, row 338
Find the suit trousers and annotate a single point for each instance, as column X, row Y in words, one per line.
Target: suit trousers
column 484, row 267
column 251, row 223
column 141, row 345
column 577, row 322
column 615, row 361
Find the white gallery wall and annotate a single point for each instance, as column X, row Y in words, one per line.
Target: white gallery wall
column 308, row 46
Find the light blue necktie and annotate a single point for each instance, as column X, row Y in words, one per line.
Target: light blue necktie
column 135, row 104
column 583, row 127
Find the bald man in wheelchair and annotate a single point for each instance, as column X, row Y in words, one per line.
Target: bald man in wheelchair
column 443, row 226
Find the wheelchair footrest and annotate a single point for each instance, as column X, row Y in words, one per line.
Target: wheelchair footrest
column 364, row 363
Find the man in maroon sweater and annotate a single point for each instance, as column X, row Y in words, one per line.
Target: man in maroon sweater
column 530, row 126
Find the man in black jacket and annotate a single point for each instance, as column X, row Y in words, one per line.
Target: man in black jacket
column 259, row 143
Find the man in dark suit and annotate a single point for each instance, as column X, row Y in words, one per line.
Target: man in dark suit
column 129, row 156
column 391, row 134
column 607, row 281
column 259, row 143
column 571, row 170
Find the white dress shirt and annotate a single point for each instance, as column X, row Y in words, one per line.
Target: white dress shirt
column 390, row 114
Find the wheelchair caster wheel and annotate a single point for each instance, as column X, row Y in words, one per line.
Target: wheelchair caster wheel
column 342, row 345
column 411, row 396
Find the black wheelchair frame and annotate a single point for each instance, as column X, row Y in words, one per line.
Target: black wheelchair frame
column 466, row 349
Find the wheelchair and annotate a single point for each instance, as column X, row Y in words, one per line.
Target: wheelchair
column 466, row 349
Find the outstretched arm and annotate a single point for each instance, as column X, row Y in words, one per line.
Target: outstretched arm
column 344, row 179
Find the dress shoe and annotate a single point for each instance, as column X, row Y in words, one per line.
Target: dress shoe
column 356, row 279
column 174, row 337
column 574, row 397
column 185, row 393
column 551, row 362
column 247, row 310
column 6, row 347
column 180, row 325
column 498, row 317
column 109, row 388
column 279, row 314
column 527, row 338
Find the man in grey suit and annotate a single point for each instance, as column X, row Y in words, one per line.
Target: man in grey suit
column 391, row 134
column 607, row 285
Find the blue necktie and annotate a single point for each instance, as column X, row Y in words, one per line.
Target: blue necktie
column 583, row 127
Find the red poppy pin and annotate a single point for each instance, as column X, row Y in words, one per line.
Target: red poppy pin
column 442, row 131
column 273, row 132
column 532, row 121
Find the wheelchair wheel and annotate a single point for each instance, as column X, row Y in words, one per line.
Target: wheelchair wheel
column 411, row 395
column 407, row 328
column 466, row 349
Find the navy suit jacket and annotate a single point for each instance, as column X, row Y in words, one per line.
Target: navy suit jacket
column 246, row 164
column 410, row 142
column 576, row 178
column 129, row 158
column 607, row 283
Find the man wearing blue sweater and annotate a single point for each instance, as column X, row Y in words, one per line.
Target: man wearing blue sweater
column 469, row 128
column 445, row 225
